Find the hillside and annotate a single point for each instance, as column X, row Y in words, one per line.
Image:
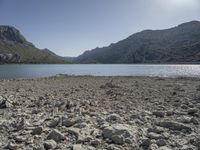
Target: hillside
column 180, row 44
column 14, row 48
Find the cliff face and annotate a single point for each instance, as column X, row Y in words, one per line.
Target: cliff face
column 14, row 48
column 180, row 44
column 9, row 58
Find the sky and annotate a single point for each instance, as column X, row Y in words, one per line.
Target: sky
column 69, row 27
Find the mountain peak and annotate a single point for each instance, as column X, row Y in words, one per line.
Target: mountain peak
column 11, row 34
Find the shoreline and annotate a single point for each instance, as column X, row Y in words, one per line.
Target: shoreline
column 86, row 112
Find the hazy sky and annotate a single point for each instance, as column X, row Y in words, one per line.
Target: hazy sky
column 69, row 27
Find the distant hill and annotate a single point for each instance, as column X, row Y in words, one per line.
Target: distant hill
column 14, row 48
column 180, row 44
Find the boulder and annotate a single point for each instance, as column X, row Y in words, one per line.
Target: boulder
column 119, row 133
column 55, row 135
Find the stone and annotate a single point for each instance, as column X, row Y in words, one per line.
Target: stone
column 55, row 135
column 145, row 142
column 175, row 126
column 155, row 129
column 192, row 111
column 67, row 122
column 78, row 147
column 20, row 138
column 113, row 117
column 153, row 146
column 155, row 136
column 158, row 113
column 50, row 144
column 53, row 123
column 164, row 148
column 37, row 131
column 194, row 121
column 161, row 142
column 118, row 133
column 12, row 145
column 185, row 119
column 95, row 143
column 169, row 113
column 5, row 104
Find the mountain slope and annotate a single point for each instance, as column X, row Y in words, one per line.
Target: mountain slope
column 14, row 48
column 180, row 44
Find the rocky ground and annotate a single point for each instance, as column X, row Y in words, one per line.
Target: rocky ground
column 105, row 113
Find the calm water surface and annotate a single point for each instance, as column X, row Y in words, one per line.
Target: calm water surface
column 32, row 71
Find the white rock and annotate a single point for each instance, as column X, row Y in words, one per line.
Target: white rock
column 50, row 144
column 119, row 133
column 78, row 147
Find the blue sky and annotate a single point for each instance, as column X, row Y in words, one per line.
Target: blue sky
column 69, row 27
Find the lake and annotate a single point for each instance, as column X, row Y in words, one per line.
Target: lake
column 33, row 71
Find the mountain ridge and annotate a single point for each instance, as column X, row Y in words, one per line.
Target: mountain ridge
column 14, row 48
column 151, row 46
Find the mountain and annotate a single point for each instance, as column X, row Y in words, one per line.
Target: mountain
column 180, row 44
column 14, row 48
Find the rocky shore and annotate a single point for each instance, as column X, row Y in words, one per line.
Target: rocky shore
column 103, row 113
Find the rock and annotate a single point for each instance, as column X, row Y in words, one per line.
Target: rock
column 164, row 148
column 185, row 119
column 37, row 131
column 145, row 142
column 169, row 113
column 155, row 129
column 50, row 144
column 5, row 104
column 95, row 143
column 53, row 123
column 55, row 135
column 155, row 136
column 175, row 126
column 194, row 121
column 12, row 145
column 113, row 118
column 192, row 111
column 187, row 147
column 118, row 134
column 161, row 142
column 67, row 122
column 78, row 147
column 158, row 113
column 153, row 146
column 19, row 124
column 20, row 138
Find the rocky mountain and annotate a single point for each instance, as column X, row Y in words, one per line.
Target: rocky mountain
column 180, row 44
column 14, row 48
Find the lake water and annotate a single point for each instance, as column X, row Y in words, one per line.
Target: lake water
column 32, row 71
